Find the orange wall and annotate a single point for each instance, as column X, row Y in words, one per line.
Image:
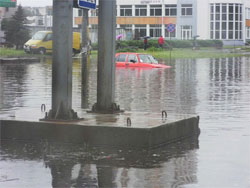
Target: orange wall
column 145, row 20
column 248, row 23
column 133, row 20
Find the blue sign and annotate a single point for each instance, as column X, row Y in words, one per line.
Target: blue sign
column 88, row 4
column 170, row 28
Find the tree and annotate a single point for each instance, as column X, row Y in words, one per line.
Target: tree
column 15, row 31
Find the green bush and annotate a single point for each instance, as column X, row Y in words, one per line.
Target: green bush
column 154, row 49
column 180, row 43
column 153, row 43
column 135, row 43
column 127, row 50
column 218, row 43
column 94, row 46
column 205, row 43
column 210, row 43
column 132, row 45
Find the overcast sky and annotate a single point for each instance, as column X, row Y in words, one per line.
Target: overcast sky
column 35, row 3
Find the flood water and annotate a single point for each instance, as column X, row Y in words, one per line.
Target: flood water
column 218, row 90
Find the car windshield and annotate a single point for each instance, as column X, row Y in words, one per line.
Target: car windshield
column 39, row 36
column 147, row 59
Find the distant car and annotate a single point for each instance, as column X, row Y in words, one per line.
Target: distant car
column 139, row 60
column 41, row 42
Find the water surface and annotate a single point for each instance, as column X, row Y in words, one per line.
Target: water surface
column 218, row 90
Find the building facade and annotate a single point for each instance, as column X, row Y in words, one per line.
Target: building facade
column 227, row 20
column 40, row 18
column 5, row 13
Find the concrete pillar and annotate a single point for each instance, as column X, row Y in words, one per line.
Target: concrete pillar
column 106, row 58
column 147, row 30
column 133, row 31
column 148, row 10
column 133, row 10
column 118, row 11
column 162, row 21
column 62, row 61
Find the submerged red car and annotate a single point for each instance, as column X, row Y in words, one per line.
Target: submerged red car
column 128, row 59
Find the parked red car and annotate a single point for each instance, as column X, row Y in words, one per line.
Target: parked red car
column 128, row 59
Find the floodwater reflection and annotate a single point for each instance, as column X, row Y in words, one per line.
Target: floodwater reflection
column 218, row 90
column 79, row 166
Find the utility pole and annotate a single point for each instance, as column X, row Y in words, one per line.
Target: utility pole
column 62, row 62
column 106, row 58
column 85, row 57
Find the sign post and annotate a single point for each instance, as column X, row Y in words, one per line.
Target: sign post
column 7, row 3
column 170, row 29
column 85, row 5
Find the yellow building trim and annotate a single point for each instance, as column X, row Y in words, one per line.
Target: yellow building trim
column 133, row 20
column 248, row 23
column 145, row 20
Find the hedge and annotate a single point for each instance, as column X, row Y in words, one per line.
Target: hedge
column 152, row 43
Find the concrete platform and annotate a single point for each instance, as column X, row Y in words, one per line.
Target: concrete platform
column 19, row 60
column 147, row 130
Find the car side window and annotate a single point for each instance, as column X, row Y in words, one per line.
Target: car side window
column 132, row 59
column 121, row 58
column 48, row 37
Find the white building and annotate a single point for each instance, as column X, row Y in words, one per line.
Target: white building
column 227, row 20
column 42, row 18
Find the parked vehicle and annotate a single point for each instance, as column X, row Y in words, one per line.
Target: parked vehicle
column 41, row 42
column 128, row 59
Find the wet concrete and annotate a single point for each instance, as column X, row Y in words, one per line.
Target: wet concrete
column 147, row 130
column 19, row 60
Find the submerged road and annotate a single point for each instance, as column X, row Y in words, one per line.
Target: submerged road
column 218, row 90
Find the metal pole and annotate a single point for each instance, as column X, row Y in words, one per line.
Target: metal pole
column 170, row 47
column 85, row 57
column 106, row 58
column 62, row 61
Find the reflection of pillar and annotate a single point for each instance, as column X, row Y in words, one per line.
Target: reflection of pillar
column 61, row 173
column 87, row 176
column 105, row 176
column 62, row 61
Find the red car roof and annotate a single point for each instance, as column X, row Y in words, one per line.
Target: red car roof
column 138, row 64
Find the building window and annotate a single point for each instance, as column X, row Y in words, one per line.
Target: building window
column 94, row 26
column 186, row 9
column 126, row 10
column 126, row 26
column 170, row 34
column 128, row 30
column 226, row 21
column 155, row 10
column 248, row 32
column 49, row 12
column 94, row 13
column 247, row 13
column 79, row 12
column 170, row 10
column 140, row 10
column 186, row 32
column 140, row 31
column 40, row 22
column 155, row 30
